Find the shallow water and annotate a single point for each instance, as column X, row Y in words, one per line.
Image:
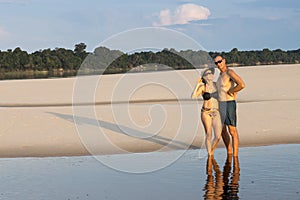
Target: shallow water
column 270, row 172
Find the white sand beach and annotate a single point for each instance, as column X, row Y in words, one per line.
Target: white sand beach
column 37, row 115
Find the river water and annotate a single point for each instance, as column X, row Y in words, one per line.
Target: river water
column 268, row 172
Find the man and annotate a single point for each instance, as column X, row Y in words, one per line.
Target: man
column 228, row 84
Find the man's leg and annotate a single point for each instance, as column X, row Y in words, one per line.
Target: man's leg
column 226, row 140
column 235, row 139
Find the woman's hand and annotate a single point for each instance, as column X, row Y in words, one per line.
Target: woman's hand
column 196, row 93
column 200, row 80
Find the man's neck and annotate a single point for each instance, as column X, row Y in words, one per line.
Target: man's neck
column 224, row 69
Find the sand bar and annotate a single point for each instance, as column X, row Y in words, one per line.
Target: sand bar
column 37, row 115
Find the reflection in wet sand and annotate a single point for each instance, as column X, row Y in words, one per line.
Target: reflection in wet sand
column 222, row 185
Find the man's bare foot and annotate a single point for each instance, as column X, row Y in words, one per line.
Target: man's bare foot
column 229, row 151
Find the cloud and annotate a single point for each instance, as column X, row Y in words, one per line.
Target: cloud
column 13, row 1
column 292, row 4
column 3, row 33
column 182, row 15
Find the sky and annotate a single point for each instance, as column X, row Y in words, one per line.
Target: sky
column 216, row 25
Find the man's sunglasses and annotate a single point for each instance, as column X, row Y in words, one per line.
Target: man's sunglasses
column 218, row 62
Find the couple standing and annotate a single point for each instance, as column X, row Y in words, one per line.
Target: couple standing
column 218, row 113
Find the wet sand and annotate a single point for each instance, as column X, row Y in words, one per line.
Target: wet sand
column 261, row 173
column 37, row 115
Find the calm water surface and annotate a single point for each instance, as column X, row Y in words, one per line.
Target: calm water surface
column 270, row 172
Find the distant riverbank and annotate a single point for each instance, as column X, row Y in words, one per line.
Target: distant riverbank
column 36, row 74
column 60, row 73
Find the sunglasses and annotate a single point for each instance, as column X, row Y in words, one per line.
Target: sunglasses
column 218, row 62
column 208, row 73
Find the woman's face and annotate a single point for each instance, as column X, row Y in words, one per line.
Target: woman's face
column 208, row 75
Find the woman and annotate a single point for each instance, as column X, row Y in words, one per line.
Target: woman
column 210, row 115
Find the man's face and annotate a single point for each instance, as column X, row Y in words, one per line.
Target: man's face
column 219, row 61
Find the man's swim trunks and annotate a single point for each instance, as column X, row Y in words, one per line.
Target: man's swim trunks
column 228, row 112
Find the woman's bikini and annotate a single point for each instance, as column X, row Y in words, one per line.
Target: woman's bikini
column 207, row 96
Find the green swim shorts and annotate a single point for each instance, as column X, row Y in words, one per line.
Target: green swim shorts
column 228, row 112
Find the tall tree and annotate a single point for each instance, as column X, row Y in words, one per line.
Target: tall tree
column 80, row 50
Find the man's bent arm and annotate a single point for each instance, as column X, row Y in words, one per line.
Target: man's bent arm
column 239, row 82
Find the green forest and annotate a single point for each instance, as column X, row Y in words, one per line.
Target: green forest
column 60, row 62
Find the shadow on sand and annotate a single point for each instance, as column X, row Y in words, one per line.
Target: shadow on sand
column 118, row 129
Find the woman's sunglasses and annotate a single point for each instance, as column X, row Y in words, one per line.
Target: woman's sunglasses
column 208, row 73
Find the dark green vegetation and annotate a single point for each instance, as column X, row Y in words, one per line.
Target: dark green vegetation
column 61, row 62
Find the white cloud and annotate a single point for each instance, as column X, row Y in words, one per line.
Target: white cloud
column 182, row 15
column 13, row 1
column 3, row 33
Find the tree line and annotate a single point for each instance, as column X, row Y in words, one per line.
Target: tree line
column 104, row 60
column 42, row 60
column 260, row 57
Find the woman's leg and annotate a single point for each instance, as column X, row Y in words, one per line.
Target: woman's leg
column 217, row 128
column 207, row 123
